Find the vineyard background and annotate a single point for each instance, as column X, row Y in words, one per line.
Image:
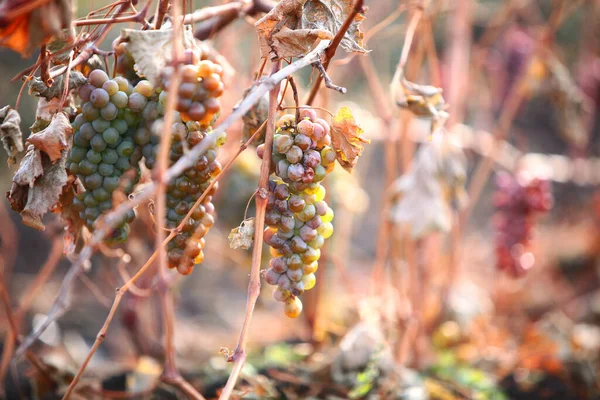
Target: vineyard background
column 546, row 323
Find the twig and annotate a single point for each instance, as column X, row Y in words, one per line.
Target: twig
column 215, row 11
column 170, row 372
column 45, row 67
column 102, row 299
column 161, row 10
column 112, row 219
column 296, row 98
column 91, row 49
column 262, row 197
column 408, row 39
column 328, row 83
column 358, row 6
column 224, row 15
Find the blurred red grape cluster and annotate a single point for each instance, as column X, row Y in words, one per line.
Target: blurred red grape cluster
column 517, row 203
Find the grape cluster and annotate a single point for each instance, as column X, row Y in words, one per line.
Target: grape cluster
column 200, row 89
column 517, row 204
column 103, row 147
column 297, row 216
column 302, row 154
column 185, row 249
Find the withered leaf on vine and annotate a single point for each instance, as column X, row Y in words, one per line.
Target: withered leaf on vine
column 23, row 28
column 54, row 138
column 71, row 216
column 242, row 236
column 10, row 133
column 292, row 27
column 152, row 49
column 39, row 88
column 37, row 186
column 30, row 168
column 346, row 139
column 39, row 182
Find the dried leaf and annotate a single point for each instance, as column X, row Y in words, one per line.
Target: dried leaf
column 71, row 216
column 53, row 139
column 42, row 176
column 24, row 32
column 330, row 16
column 346, row 139
column 10, row 133
column 425, row 196
column 242, row 236
column 152, row 49
column 292, row 27
column 39, row 88
column 423, row 101
column 30, row 168
column 46, row 109
column 45, row 193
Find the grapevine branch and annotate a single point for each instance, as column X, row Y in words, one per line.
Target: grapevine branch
column 262, row 197
column 213, row 19
column 112, row 219
column 358, row 6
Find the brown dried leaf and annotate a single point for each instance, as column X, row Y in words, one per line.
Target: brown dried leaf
column 54, row 138
column 25, row 31
column 45, row 193
column 38, row 184
column 30, row 168
column 425, row 196
column 71, row 216
column 152, row 49
column 39, row 88
column 10, row 133
column 292, row 27
column 242, row 236
column 346, row 139
column 330, row 15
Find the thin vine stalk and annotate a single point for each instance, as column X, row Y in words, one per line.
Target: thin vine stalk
column 262, row 198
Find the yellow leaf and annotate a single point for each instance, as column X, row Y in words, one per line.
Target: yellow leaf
column 346, row 139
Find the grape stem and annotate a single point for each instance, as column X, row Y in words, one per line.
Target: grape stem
column 328, row 83
column 262, row 197
column 358, row 7
column 214, row 19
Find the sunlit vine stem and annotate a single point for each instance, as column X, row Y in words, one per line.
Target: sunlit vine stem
column 262, row 197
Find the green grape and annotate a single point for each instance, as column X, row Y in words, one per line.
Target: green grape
column 110, row 136
column 100, row 125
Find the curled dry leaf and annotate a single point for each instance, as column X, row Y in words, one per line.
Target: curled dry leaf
column 23, row 28
column 292, row 27
column 152, row 50
column 242, row 236
column 39, row 182
column 10, row 133
column 423, row 101
column 30, row 168
column 54, row 138
column 71, row 216
column 38, row 88
column 346, row 139
column 425, row 196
